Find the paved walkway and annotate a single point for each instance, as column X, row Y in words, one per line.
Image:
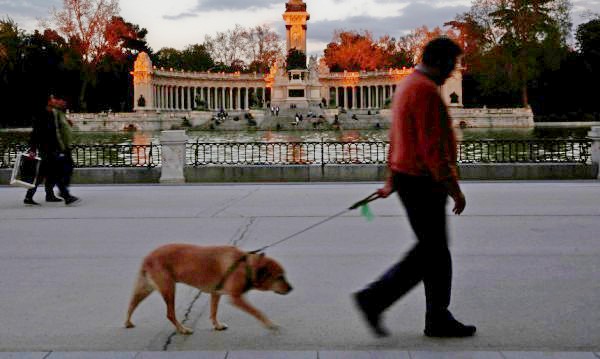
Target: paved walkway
column 304, row 355
column 526, row 264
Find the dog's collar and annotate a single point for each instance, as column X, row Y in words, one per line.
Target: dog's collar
column 249, row 275
column 249, row 278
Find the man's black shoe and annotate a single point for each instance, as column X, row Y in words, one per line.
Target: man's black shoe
column 450, row 328
column 53, row 199
column 30, row 201
column 71, row 200
column 372, row 318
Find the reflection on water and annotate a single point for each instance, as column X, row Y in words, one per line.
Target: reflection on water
column 302, row 136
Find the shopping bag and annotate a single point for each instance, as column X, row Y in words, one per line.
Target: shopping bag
column 26, row 170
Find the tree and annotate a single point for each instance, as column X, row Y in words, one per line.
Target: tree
column 12, row 41
column 588, row 41
column 531, row 32
column 196, row 58
column 397, row 56
column 84, row 23
column 262, row 48
column 168, row 57
column 227, row 47
column 414, row 42
column 353, row 51
column 124, row 38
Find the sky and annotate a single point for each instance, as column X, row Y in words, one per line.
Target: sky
column 178, row 23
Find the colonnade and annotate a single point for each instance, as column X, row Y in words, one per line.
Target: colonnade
column 174, row 98
column 361, row 97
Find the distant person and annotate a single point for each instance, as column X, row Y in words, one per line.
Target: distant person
column 51, row 138
column 422, row 166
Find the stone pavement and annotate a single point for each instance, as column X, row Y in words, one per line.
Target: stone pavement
column 526, row 263
column 304, row 355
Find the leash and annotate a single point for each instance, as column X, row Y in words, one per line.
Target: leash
column 362, row 202
column 243, row 258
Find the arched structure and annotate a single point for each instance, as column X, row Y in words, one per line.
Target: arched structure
column 177, row 90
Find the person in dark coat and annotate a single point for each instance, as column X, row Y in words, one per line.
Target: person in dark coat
column 51, row 139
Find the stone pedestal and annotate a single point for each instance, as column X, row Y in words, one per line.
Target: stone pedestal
column 594, row 135
column 173, row 156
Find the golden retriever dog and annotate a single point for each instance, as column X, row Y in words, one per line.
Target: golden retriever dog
column 216, row 270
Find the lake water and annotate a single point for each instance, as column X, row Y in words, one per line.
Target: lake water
column 304, row 136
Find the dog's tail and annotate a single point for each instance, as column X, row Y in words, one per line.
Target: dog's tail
column 142, row 288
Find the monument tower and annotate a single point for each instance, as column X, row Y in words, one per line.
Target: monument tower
column 295, row 17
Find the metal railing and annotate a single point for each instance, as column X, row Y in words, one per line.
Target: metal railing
column 525, row 151
column 286, row 153
column 111, row 155
column 295, row 153
column 320, row 153
column 102, row 155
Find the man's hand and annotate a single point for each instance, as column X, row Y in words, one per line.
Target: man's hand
column 459, row 203
column 386, row 190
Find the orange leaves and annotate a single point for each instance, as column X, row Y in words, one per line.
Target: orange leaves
column 352, row 51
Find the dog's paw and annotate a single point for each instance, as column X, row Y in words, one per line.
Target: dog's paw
column 272, row 327
column 185, row 331
column 220, row 327
column 129, row 325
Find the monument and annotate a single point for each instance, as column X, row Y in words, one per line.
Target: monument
column 310, row 88
column 177, row 90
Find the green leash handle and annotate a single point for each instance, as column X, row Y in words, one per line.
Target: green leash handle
column 365, row 200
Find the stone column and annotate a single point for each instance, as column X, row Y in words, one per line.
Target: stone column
column 224, row 103
column 172, row 156
column 362, row 97
column 594, row 135
column 246, row 99
column 171, row 98
column 231, row 98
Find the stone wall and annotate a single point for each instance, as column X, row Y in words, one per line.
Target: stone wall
column 158, row 121
column 492, row 118
column 319, row 173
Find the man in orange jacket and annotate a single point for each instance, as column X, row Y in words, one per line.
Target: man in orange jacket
column 422, row 166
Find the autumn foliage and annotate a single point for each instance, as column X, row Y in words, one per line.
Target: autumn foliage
column 353, row 51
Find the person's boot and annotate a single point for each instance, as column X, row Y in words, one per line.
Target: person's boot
column 30, row 202
column 445, row 326
column 52, row 198
column 69, row 200
column 373, row 318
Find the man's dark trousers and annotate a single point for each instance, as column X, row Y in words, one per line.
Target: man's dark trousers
column 429, row 260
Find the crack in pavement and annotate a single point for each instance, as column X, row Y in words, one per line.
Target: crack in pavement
column 186, row 317
column 230, row 203
column 242, row 231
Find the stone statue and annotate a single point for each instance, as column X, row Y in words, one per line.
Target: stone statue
column 313, row 70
